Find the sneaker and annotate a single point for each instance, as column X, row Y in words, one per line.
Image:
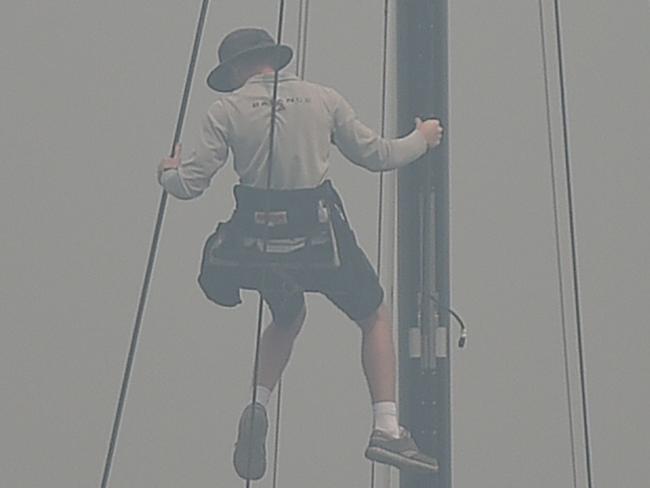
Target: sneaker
column 250, row 450
column 401, row 452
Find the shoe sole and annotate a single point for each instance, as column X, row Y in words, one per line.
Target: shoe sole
column 250, row 450
column 384, row 456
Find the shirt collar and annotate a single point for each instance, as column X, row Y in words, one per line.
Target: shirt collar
column 269, row 78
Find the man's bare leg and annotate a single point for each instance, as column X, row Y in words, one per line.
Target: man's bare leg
column 275, row 350
column 378, row 355
column 389, row 443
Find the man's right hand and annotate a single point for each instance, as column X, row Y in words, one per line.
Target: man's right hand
column 431, row 130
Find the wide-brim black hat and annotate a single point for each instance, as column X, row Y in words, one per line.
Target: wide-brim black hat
column 240, row 45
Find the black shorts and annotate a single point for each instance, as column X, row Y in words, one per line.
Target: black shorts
column 353, row 286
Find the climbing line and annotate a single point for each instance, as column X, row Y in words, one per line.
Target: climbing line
column 301, row 59
column 152, row 254
column 301, row 8
column 558, row 252
column 573, row 242
column 260, row 308
column 305, row 36
column 276, row 449
column 384, row 91
column 380, row 196
column 574, row 247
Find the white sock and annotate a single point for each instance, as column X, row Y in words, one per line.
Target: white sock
column 262, row 395
column 385, row 418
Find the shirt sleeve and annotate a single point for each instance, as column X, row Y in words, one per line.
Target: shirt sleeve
column 365, row 147
column 194, row 174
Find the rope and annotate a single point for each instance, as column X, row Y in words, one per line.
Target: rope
column 276, row 450
column 260, row 308
column 152, row 255
column 556, row 222
column 301, row 8
column 573, row 241
column 301, row 58
column 380, row 207
column 384, row 83
column 305, row 37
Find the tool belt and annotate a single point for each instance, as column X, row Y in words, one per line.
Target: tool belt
column 282, row 229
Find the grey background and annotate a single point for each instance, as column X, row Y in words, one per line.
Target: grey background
column 89, row 96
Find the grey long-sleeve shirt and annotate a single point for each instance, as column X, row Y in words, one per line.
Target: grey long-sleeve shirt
column 310, row 117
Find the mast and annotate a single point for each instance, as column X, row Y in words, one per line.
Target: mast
column 423, row 239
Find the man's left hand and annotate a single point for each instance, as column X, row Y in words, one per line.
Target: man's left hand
column 171, row 163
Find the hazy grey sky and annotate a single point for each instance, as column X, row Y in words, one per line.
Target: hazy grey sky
column 90, row 92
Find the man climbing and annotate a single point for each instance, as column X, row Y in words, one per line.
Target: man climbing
column 290, row 191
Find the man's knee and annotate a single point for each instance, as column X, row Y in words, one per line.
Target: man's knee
column 297, row 323
column 287, row 309
column 291, row 320
column 381, row 316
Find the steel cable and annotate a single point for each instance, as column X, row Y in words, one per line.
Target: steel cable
column 152, row 254
column 260, row 308
column 380, row 207
column 573, row 242
column 384, row 84
column 558, row 252
column 301, row 59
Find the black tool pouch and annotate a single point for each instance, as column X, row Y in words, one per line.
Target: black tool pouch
column 275, row 230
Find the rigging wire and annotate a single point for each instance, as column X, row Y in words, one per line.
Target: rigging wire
column 380, row 207
column 152, row 254
column 305, row 37
column 301, row 60
column 384, row 90
column 558, row 252
column 276, row 449
column 301, row 8
column 574, row 258
column 574, row 248
column 260, row 307
column 573, row 241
